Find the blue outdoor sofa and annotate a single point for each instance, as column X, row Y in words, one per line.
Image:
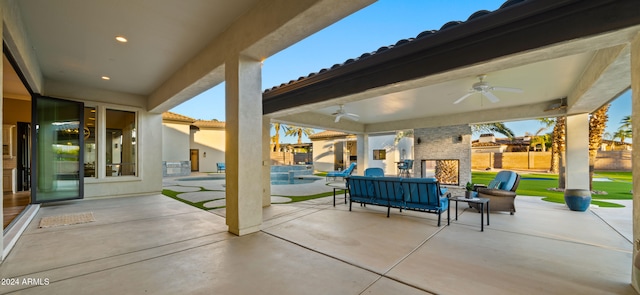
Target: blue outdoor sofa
column 418, row 194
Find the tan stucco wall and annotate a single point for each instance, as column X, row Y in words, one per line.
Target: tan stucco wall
column 323, row 156
column 212, row 142
column 175, row 142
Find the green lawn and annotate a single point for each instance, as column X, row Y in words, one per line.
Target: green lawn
column 535, row 184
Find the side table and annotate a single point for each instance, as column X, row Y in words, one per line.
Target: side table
column 336, row 187
column 481, row 201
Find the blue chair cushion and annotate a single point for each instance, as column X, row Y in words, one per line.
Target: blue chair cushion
column 494, row 184
column 507, row 179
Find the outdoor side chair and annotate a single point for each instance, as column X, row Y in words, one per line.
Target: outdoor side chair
column 404, row 167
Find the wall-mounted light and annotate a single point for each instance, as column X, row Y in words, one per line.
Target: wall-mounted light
column 204, row 155
column 460, row 138
column 419, row 141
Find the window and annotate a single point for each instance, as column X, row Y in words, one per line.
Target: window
column 120, row 143
column 110, row 148
column 379, row 154
column 90, row 142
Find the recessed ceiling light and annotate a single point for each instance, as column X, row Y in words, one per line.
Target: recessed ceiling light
column 121, row 39
column 106, row 78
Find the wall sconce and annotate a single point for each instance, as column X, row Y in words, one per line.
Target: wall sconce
column 204, row 155
column 460, row 138
column 419, row 141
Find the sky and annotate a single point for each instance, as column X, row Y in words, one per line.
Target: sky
column 380, row 24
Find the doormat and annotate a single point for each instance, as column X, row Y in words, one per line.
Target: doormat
column 66, row 219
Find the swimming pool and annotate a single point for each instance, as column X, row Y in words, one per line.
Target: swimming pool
column 293, row 181
column 273, row 181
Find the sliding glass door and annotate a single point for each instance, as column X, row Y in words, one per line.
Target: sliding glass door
column 57, row 149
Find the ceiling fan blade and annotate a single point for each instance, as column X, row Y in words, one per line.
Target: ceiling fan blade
column 508, row 89
column 463, row 98
column 490, row 96
column 353, row 116
column 338, row 118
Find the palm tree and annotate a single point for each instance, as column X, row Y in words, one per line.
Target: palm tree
column 543, row 140
column 626, row 123
column 402, row 134
column 622, row 134
column 276, row 138
column 497, row 127
column 558, row 147
column 597, row 124
column 297, row 131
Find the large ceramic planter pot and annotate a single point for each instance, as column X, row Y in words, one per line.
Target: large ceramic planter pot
column 577, row 199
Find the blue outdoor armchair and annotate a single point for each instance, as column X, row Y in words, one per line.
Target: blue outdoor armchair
column 221, row 167
column 344, row 173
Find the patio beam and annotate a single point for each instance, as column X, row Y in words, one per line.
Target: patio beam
column 606, row 76
column 531, row 111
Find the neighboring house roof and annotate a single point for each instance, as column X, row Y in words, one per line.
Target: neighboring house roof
column 328, row 134
column 616, row 142
column 171, row 116
column 484, row 144
column 516, row 141
column 211, row 124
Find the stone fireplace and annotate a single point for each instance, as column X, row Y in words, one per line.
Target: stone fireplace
column 450, row 145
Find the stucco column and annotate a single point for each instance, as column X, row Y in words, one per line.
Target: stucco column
column 362, row 152
column 266, row 162
column 635, row 155
column 243, row 155
column 577, row 152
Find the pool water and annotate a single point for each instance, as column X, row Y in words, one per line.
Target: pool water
column 273, row 181
column 295, row 181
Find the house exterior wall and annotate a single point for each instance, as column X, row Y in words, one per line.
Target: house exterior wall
column 445, row 143
column 149, row 179
column 323, row 157
column 394, row 152
column 175, row 142
column 211, row 142
column 176, row 159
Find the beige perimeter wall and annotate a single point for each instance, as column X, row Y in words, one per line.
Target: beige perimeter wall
column 606, row 160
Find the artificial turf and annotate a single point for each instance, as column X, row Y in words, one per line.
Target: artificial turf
column 537, row 184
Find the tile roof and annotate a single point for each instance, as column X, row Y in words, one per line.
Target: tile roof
column 328, row 134
column 389, row 48
column 170, row 116
column 213, row 124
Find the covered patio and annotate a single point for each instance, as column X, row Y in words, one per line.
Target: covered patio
column 569, row 57
column 156, row 245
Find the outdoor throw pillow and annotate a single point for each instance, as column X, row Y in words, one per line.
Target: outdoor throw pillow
column 494, row 184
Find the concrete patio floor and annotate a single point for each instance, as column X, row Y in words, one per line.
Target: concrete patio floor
column 156, row 245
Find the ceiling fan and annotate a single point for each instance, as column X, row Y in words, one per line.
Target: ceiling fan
column 339, row 113
column 485, row 89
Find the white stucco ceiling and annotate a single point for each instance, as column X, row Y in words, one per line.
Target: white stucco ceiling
column 541, row 82
column 74, row 39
